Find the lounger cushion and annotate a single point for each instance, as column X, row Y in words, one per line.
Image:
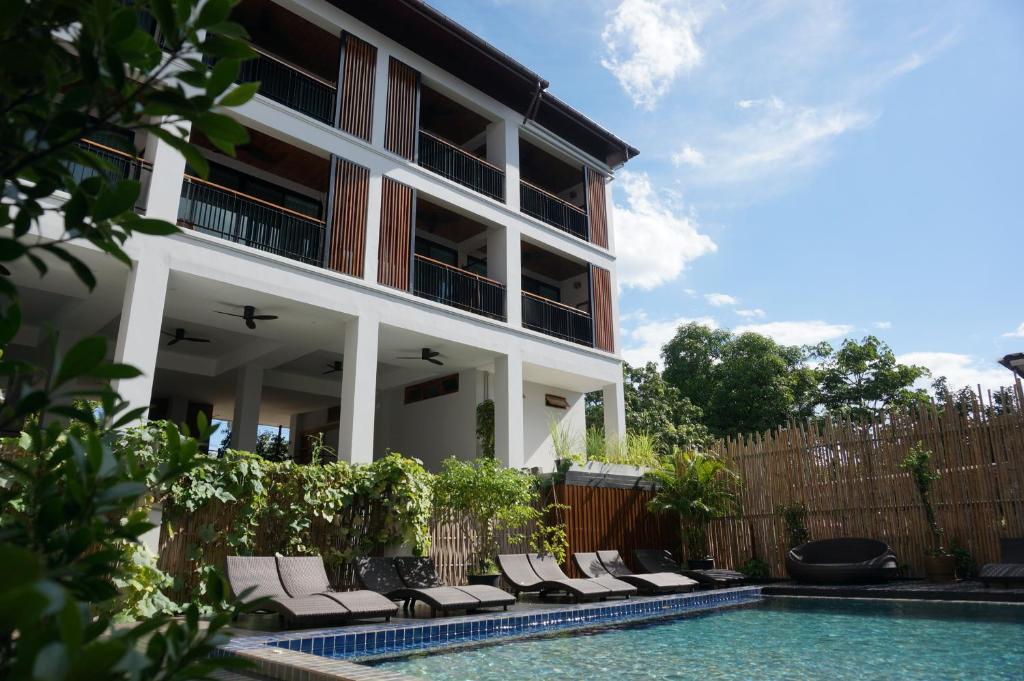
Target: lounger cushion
column 419, row 573
column 547, row 568
column 303, row 575
column 653, row 581
column 515, row 567
column 256, row 572
column 1002, row 572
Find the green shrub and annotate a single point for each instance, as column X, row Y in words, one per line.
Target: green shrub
column 485, row 427
column 755, row 568
column 794, row 519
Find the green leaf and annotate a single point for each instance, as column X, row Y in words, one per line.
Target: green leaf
column 115, row 200
column 195, row 160
column 81, row 359
column 150, row 226
column 239, row 95
column 10, row 249
column 80, row 269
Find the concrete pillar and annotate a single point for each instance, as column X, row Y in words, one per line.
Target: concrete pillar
column 293, row 435
column 138, row 333
column 373, row 201
column 503, row 151
column 165, row 180
column 246, row 422
column 503, row 264
column 508, row 410
column 380, row 98
column 358, row 391
column 614, row 410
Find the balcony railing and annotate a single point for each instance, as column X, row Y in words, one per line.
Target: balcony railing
column 123, row 166
column 234, row 216
column 447, row 160
column 290, row 85
column 555, row 319
column 548, row 208
column 443, row 283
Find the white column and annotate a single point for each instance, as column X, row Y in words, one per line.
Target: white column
column 614, row 410
column 503, row 264
column 165, row 180
column 138, row 333
column 380, row 98
column 508, row 410
column 503, row 151
column 358, row 391
column 246, row 422
column 293, row 435
column 372, row 245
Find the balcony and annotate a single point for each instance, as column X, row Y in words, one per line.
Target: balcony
column 442, row 283
column 231, row 215
column 558, row 320
column 448, row 160
column 290, row 85
column 548, row 208
column 122, row 166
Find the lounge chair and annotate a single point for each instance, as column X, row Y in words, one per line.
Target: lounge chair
column 379, row 574
column 258, row 575
column 652, row 582
column 1011, row 566
column 546, row 567
column 655, row 560
column 305, row 576
column 845, row 560
column 521, row 577
column 421, row 573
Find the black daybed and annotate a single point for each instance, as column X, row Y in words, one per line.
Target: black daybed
column 847, row 560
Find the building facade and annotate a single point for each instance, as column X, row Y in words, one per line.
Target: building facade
column 415, row 226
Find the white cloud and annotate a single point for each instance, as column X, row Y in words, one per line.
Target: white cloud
column 648, row 44
column 720, row 299
column 960, row 370
column 798, row 333
column 655, row 243
column 755, row 313
column 643, row 343
column 688, row 156
column 883, row 325
column 1017, row 333
column 774, row 103
column 690, row 292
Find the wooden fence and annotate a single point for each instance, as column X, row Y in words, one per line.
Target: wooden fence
column 849, row 477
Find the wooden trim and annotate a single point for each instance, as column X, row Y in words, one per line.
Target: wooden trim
column 393, row 257
column 358, row 70
column 597, row 208
column 604, row 328
column 459, row 149
column 349, row 206
column 555, row 303
column 248, row 197
column 293, row 67
column 459, row 270
column 403, row 95
column 552, row 196
column 117, row 152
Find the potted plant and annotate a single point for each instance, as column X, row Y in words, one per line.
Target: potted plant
column 939, row 564
column 493, row 499
column 698, row 488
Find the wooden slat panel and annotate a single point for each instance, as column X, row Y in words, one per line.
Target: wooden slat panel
column 403, row 91
column 597, row 208
column 348, row 218
column 604, row 328
column 358, row 73
column 395, row 234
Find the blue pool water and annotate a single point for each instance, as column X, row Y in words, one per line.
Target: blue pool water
column 779, row 638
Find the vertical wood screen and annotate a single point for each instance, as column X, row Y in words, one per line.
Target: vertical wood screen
column 395, row 234
column 359, row 66
column 597, row 208
column 604, row 329
column 348, row 218
column 403, row 91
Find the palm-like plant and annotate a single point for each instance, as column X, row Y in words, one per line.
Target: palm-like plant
column 698, row 488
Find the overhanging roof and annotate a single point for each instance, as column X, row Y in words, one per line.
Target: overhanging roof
column 438, row 39
column 1014, row 362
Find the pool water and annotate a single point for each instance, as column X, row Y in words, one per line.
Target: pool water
column 780, row 638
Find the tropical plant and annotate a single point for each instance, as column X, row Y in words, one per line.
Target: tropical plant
column 919, row 464
column 492, row 497
column 563, row 441
column 966, row 566
column 697, row 487
column 485, row 427
column 794, row 520
column 550, row 537
column 755, row 568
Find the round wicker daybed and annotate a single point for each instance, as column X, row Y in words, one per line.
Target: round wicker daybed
column 846, row 560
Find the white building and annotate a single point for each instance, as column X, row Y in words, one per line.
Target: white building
column 443, row 207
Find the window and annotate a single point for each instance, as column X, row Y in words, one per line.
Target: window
column 438, row 387
column 556, row 401
column 434, row 251
column 261, row 189
column 539, row 288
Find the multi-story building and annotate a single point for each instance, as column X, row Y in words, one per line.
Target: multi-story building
column 415, row 226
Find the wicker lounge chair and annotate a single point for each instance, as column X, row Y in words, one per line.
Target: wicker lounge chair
column 259, row 573
column 651, row 582
column 1010, row 569
column 421, row 573
column 547, row 568
column 379, row 574
column 521, row 577
column 305, row 576
column 659, row 560
column 846, row 560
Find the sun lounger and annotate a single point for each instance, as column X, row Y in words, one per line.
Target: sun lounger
column 520, row 575
column 305, row 576
column 1010, row 569
column 656, row 582
column 655, row 560
column 547, row 568
column 421, row 573
column 380, row 575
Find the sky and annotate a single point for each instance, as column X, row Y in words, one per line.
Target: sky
column 812, row 170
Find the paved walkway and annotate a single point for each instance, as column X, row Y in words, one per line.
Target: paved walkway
column 913, row 589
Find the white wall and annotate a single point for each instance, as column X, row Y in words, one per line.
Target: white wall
column 537, row 417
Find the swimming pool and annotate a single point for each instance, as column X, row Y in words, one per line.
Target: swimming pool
column 777, row 638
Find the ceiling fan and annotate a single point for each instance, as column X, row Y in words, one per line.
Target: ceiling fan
column 335, row 367
column 427, row 355
column 179, row 335
column 250, row 316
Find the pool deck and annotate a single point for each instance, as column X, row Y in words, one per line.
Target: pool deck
column 904, row 589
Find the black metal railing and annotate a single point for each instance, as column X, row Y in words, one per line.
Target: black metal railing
column 443, row 283
column 234, row 216
column 290, row 85
column 447, row 160
column 548, row 208
column 122, row 166
column 555, row 319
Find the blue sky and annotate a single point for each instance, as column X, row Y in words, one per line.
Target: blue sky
column 811, row 170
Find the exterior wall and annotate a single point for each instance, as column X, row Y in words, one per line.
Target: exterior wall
column 537, row 417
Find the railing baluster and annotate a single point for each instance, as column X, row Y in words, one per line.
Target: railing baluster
column 555, row 319
column 459, row 166
column 458, row 288
column 552, row 210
